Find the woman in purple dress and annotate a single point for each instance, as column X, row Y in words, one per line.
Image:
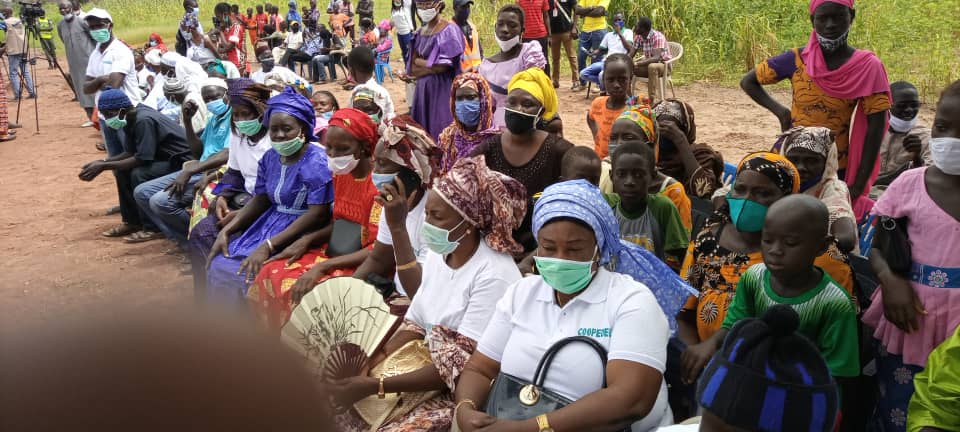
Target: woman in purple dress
column 437, row 47
column 293, row 195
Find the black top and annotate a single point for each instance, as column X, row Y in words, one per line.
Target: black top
column 155, row 137
column 558, row 22
column 541, row 171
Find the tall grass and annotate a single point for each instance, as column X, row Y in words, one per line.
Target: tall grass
column 916, row 39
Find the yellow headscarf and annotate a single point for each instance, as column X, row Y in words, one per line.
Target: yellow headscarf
column 538, row 84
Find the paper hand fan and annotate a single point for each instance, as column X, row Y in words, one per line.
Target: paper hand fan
column 338, row 325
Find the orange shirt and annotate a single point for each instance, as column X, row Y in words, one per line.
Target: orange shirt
column 604, row 118
column 336, row 24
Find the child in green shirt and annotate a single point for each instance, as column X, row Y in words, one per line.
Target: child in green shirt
column 649, row 220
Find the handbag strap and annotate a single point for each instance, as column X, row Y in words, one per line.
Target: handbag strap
column 540, row 376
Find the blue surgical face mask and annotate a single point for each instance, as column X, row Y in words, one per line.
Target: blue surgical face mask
column 468, row 112
column 218, row 107
column 438, row 239
column 380, row 180
column 327, row 115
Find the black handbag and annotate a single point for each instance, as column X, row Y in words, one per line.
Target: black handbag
column 512, row 398
column 896, row 245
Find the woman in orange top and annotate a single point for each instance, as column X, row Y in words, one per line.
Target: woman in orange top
column 350, row 140
column 730, row 243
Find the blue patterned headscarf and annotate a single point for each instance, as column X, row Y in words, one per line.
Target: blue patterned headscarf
column 581, row 200
column 293, row 103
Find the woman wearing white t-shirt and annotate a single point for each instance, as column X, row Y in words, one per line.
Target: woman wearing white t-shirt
column 405, row 163
column 471, row 213
column 575, row 295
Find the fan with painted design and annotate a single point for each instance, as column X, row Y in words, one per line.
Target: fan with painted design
column 338, row 325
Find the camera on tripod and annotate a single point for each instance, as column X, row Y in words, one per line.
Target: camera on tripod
column 30, row 12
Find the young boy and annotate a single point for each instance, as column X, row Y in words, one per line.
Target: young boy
column 649, row 220
column 795, row 233
column 361, row 62
column 580, row 163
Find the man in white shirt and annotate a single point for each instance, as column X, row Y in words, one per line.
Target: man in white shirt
column 111, row 65
column 619, row 41
column 268, row 66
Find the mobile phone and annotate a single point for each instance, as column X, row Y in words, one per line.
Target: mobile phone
column 411, row 181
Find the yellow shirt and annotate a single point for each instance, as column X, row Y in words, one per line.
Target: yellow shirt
column 595, row 23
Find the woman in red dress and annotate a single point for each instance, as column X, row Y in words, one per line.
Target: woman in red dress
column 340, row 247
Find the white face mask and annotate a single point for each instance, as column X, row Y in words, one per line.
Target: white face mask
column 900, row 125
column 342, row 165
column 508, row 44
column 427, row 15
column 945, row 153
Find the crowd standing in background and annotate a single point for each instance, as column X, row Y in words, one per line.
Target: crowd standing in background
column 812, row 285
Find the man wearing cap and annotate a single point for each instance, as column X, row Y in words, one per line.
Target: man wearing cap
column 110, row 65
column 472, row 51
column 153, row 146
column 77, row 42
column 176, row 94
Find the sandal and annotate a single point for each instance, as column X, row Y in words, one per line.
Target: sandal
column 143, row 236
column 100, row 146
column 120, row 230
column 576, row 87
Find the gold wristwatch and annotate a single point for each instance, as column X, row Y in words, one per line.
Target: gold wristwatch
column 543, row 424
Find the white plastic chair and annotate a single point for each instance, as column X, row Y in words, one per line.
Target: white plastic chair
column 676, row 51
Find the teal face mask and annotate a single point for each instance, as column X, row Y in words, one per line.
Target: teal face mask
column 438, row 239
column 287, row 148
column 565, row 276
column 100, row 35
column 116, row 122
column 375, row 118
column 747, row 215
column 248, row 127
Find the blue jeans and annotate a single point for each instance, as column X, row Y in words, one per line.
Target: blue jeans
column 404, row 41
column 318, row 64
column 18, row 65
column 168, row 213
column 589, row 41
column 593, row 73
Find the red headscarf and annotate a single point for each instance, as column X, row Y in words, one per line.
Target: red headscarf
column 359, row 124
column 861, row 76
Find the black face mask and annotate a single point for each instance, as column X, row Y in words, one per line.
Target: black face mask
column 267, row 65
column 520, row 122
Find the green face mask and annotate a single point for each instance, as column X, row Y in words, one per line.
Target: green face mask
column 565, row 276
column 116, row 122
column 248, row 127
column 747, row 215
column 287, row 148
column 100, row 35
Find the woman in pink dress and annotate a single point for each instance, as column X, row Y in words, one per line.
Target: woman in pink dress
column 913, row 313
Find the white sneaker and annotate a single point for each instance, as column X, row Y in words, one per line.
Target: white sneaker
column 87, row 124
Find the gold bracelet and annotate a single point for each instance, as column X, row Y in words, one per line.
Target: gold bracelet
column 407, row 266
column 463, row 402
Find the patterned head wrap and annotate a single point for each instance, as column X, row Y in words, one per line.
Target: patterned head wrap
column 113, row 99
column 682, row 112
column 819, row 140
column 295, row 104
column 385, row 25
column 816, row 139
column 174, row 86
column 455, row 140
column 777, row 168
column 581, row 200
column 639, row 112
column 814, row 4
column 538, row 84
column 245, row 91
column 406, row 143
column 492, row 202
column 359, row 124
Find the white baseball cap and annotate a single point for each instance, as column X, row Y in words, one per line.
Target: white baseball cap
column 98, row 13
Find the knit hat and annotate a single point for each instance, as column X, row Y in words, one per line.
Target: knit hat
column 113, row 99
column 174, row 86
column 767, row 377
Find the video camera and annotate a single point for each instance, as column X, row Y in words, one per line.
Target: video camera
column 29, row 12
